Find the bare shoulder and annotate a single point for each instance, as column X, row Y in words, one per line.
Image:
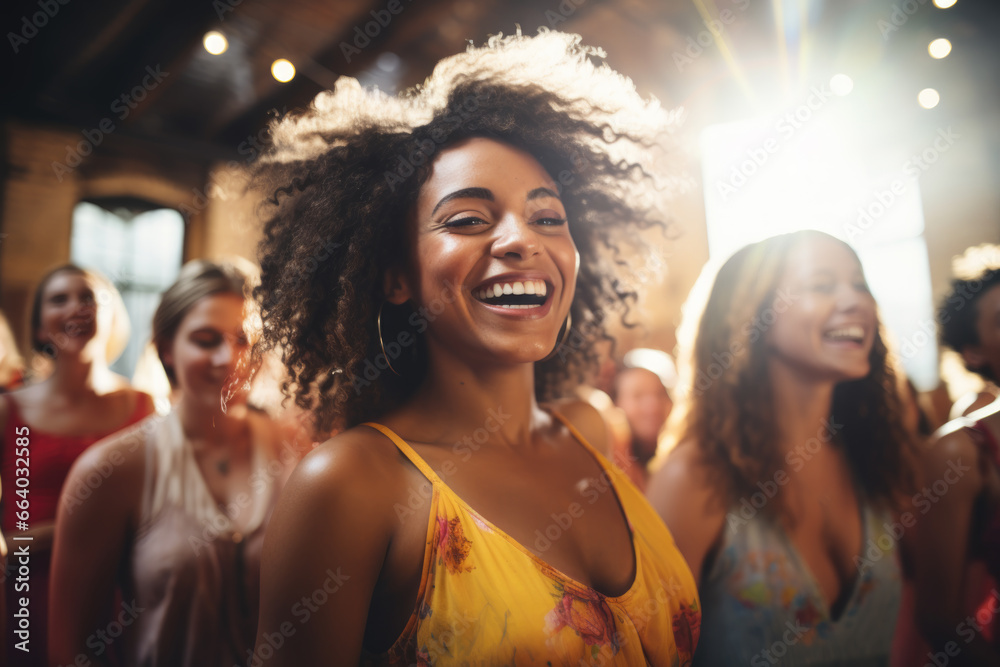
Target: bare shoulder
column 684, row 480
column 113, row 469
column 356, row 467
column 952, row 448
column 586, row 419
column 124, row 446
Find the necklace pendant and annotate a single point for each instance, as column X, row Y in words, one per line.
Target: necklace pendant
column 222, row 467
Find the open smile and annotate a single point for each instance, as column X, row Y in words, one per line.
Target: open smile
column 851, row 335
column 516, row 294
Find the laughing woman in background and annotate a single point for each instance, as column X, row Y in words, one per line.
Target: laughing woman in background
column 790, row 457
column 76, row 320
column 172, row 512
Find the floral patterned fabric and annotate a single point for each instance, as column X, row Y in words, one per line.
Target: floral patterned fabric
column 487, row 600
column 762, row 605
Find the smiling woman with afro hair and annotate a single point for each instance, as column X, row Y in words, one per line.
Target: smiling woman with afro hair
column 443, row 262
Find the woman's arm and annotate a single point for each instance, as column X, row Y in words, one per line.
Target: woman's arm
column 682, row 494
column 327, row 541
column 940, row 552
column 92, row 522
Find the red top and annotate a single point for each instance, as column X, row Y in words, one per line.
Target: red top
column 50, row 458
column 988, row 541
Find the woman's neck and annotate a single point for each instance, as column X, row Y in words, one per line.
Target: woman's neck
column 499, row 399
column 802, row 408
column 210, row 426
column 78, row 375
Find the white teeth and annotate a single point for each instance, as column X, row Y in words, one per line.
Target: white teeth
column 535, row 287
column 848, row 333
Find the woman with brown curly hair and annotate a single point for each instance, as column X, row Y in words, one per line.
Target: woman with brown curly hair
column 956, row 555
column 434, row 270
column 791, row 453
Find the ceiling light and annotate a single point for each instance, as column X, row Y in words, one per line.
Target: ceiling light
column 215, row 42
column 928, row 98
column 282, row 70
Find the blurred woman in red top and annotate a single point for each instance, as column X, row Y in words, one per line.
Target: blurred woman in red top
column 45, row 426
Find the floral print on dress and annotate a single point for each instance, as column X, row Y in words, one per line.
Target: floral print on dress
column 452, row 547
column 686, row 624
column 585, row 611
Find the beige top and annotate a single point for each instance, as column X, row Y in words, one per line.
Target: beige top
column 195, row 579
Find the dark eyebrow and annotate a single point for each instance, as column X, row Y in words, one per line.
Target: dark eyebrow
column 465, row 193
column 538, row 193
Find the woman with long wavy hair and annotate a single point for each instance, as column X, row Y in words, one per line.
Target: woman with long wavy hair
column 790, row 456
column 436, row 271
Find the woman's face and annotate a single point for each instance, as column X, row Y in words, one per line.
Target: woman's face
column 495, row 265
column 70, row 317
column 987, row 352
column 825, row 320
column 210, row 346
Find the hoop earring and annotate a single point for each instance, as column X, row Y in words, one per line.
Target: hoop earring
column 567, row 325
column 378, row 325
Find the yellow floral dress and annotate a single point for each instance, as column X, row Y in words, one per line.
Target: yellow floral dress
column 485, row 599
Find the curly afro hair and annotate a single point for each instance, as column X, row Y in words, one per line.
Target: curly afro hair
column 344, row 175
column 976, row 272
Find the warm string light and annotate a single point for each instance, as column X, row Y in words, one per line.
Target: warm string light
column 215, row 42
column 939, row 48
column 928, row 98
column 282, row 70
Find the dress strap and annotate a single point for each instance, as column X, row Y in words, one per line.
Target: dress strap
column 579, row 437
column 408, row 452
